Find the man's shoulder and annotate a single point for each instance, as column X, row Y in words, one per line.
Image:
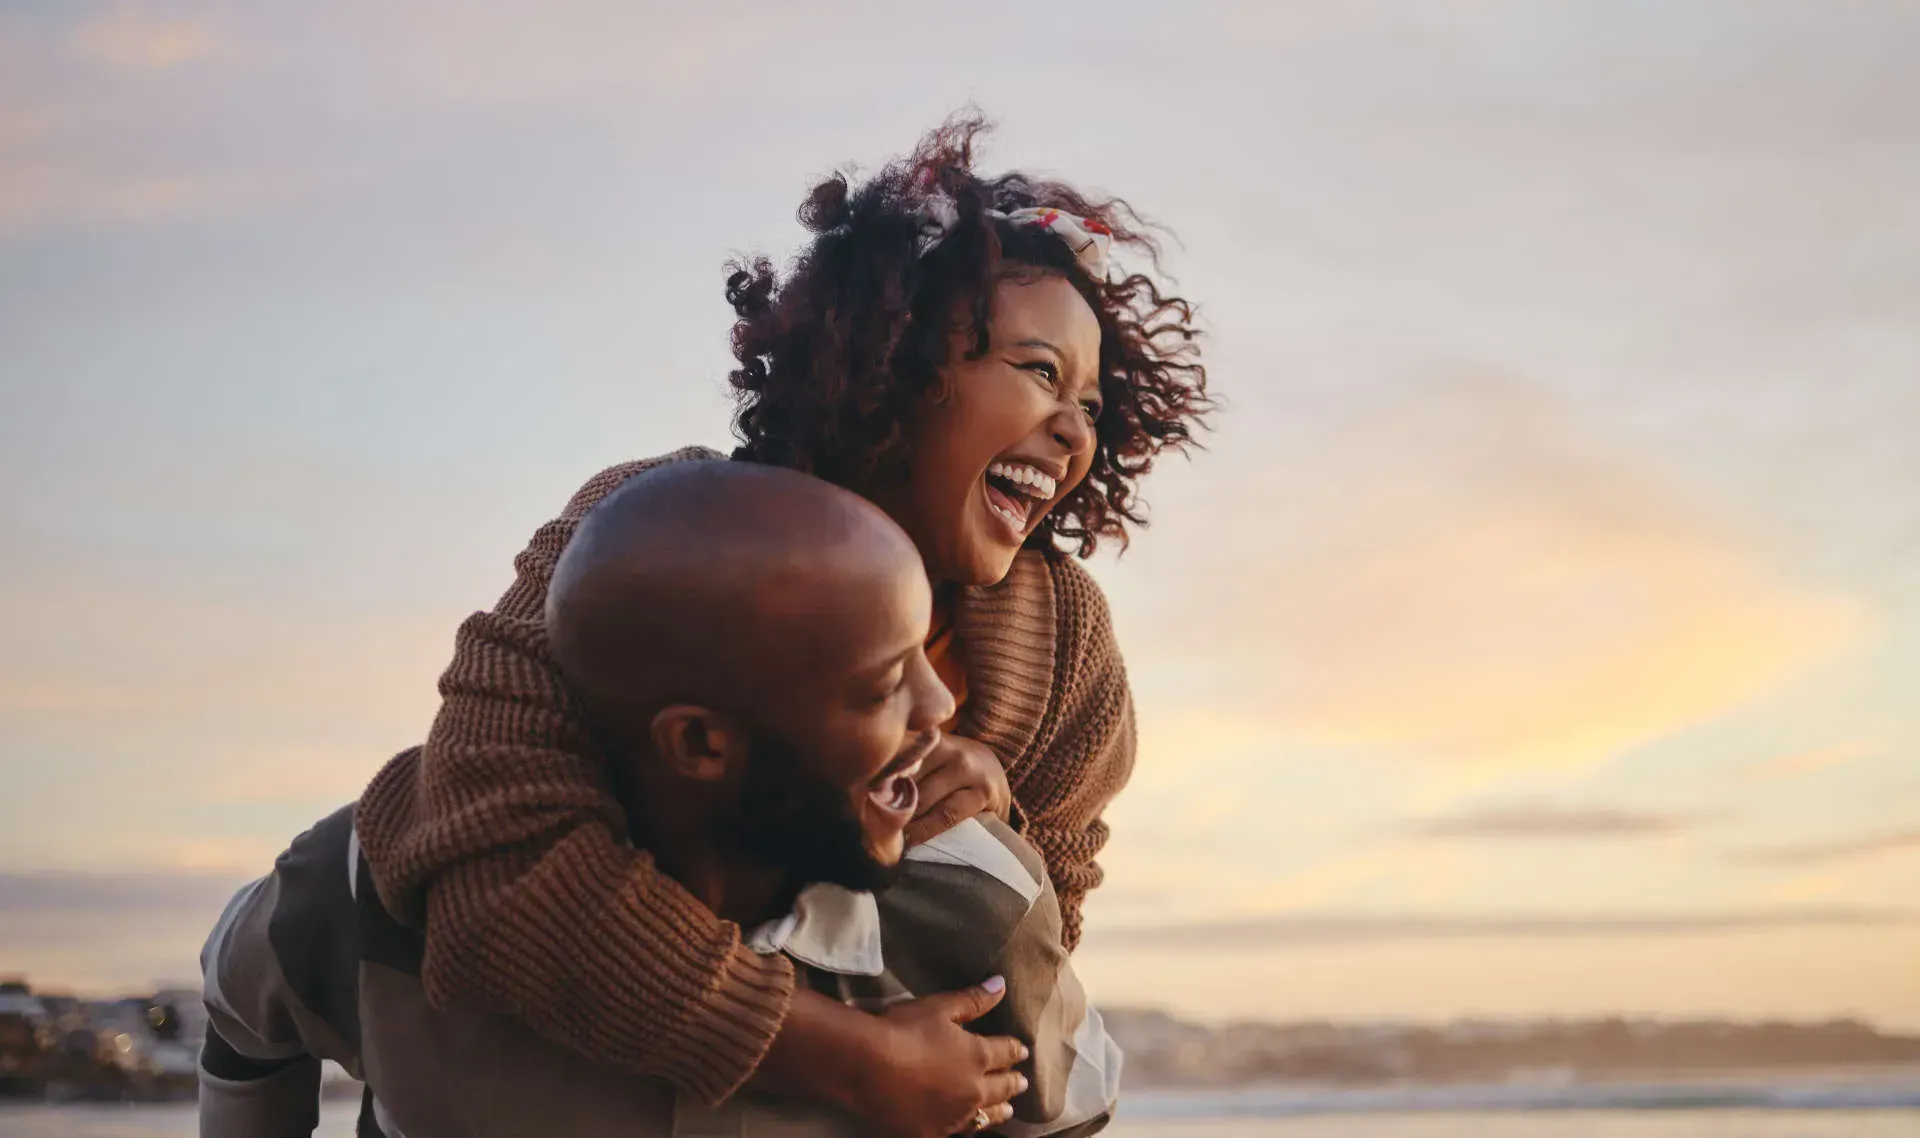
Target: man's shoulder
column 987, row 846
column 958, row 902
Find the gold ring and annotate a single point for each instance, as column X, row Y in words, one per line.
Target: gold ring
column 981, row 1119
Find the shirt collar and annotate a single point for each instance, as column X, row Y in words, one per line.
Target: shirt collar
column 836, row 929
column 832, row 928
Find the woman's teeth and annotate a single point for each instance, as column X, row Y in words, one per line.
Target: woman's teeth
column 1032, row 481
column 1015, row 490
column 1003, row 509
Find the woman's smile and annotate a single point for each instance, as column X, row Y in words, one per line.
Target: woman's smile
column 1018, row 494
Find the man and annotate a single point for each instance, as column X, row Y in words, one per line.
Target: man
column 749, row 646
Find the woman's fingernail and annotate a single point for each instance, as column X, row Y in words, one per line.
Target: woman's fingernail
column 1023, row 1084
column 995, row 984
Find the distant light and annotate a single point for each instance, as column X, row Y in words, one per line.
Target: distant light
column 123, row 1041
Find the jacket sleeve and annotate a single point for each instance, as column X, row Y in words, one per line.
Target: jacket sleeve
column 259, row 1077
column 1074, row 1066
column 279, row 977
column 504, row 836
column 977, row 901
column 1090, row 748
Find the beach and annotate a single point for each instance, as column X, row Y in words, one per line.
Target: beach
column 178, row 1121
column 1877, row 1102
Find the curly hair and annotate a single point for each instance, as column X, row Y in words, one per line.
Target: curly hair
column 835, row 359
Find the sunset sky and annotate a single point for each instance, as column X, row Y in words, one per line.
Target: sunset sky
column 1539, row 634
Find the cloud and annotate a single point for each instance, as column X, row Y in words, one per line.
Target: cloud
column 107, row 654
column 109, row 932
column 1308, row 930
column 1461, row 572
column 1545, row 821
column 134, row 114
column 114, row 893
column 1896, row 841
column 129, row 38
column 601, row 54
column 1333, row 879
column 284, row 773
column 192, row 727
column 38, row 195
column 86, row 137
column 1800, row 763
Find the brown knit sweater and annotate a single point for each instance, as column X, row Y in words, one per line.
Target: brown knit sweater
column 503, row 836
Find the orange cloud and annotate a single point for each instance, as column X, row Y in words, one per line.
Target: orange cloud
column 1800, row 763
column 37, row 194
column 1464, row 575
column 1532, row 821
column 1802, row 962
column 254, row 700
column 1336, row 878
column 236, row 857
column 498, row 57
column 133, row 39
column 292, row 773
column 1843, row 849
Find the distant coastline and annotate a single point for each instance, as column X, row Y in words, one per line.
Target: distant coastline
column 1165, row 1051
column 144, row 1047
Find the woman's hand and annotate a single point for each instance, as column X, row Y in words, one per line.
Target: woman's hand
column 940, row 1073
column 911, row 1072
column 960, row 779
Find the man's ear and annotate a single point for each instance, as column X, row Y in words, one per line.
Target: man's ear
column 698, row 743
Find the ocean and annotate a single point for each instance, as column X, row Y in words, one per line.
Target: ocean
column 1278, row 1114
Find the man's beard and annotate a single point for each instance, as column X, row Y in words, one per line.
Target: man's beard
column 802, row 823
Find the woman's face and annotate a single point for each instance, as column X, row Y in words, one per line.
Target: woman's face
column 1013, row 436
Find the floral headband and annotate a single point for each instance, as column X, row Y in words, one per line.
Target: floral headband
column 1089, row 239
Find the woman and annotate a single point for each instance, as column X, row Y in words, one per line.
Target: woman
column 954, row 349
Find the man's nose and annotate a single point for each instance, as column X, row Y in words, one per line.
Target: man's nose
column 933, row 703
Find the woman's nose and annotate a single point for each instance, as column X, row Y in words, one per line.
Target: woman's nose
column 1072, row 431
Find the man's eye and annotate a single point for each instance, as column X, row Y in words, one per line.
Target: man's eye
column 890, row 687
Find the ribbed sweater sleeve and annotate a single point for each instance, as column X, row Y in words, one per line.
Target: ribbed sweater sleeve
column 1049, row 695
column 1084, row 753
column 503, row 836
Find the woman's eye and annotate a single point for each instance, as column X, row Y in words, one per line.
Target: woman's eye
column 1045, row 371
column 1092, row 409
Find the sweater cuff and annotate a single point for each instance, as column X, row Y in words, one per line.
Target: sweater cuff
column 720, row 1041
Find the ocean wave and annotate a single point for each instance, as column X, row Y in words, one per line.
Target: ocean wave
column 1880, row 1093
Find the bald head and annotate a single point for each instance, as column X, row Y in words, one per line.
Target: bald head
column 722, row 584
